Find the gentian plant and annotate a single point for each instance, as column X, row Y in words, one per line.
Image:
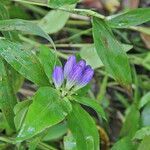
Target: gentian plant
column 51, row 101
column 74, row 76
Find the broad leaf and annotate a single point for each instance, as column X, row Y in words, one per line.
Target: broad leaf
column 56, row 132
column 7, row 96
column 25, row 62
column 83, row 129
column 56, row 3
column 20, row 111
column 50, row 3
column 69, row 142
column 144, row 100
column 89, row 54
column 143, row 132
column 111, row 52
column 145, row 144
column 91, row 103
column 46, row 110
column 145, row 116
column 23, row 26
column 130, row 18
column 54, row 21
column 132, row 122
column 124, row 144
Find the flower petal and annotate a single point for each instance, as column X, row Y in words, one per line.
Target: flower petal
column 69, row 65
column 58, row 76
column 86, row 77
column 82, row 63
column 74, row 76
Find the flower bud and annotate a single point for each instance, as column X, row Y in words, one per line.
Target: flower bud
column 58, row 76
column 74, row 76
column 86, row 78
column 69, row 65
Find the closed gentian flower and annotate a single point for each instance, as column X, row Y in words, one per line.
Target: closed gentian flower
column 74, row 76
column 69, row 65
column 58, row 76
column 86, row 78
column 82, row 63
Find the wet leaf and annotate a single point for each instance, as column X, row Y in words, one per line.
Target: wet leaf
column 20, row 111
column 145, row 144
column 129, row 18
column 69, row 142
column 84, row 130
column 91, row 103
column 130, row 127
column 56, row 132
column 124, row 144
column 143, row 132
column 25, row 62
column 89, row 54
column 145, row 116
column 111, row 52
column 46, row 110
column 7, row 96
column 144, row 100
column 23, row 26
column 54, row 21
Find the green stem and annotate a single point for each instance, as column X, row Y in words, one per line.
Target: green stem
column 45, row 146
column 4, row 139
column 35, row 8
column 102, row 91
column 74, row 36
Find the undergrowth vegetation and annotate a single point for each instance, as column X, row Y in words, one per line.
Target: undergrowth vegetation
column 74, row 75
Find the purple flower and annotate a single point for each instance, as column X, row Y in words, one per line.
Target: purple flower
column 69, row 65
column 77, row 75
column 86, row 77
column 74, row 76
column 58, row 76
column 82, row 63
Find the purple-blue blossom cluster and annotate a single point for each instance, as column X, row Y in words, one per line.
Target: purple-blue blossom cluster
column 74, row 74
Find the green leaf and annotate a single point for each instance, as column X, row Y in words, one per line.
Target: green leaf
column 69, row 142
column 3, row 12
column 50, row 3
column 47, row 110
column 111, row 52
column 145, row 116
column 23, row 26
column 56, row 132
column 25, row 62
column 144, row 100
column 48, row 59
column 145, row 144
column 20, row 111
column 56, row 3
column 130, row 18
column 83, row 129
column 89, row 54
column 132, row 122
column 7, row 96
column 124, row 144
column 2, row 122
column 91, row 103
column 17, row 79
column 54, row 21
column 143, row 132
